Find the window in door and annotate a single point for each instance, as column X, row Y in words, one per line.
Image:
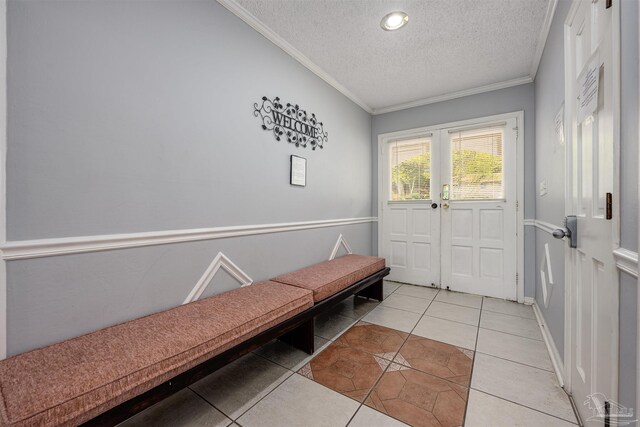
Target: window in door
column 410, row 169
column 477, row 164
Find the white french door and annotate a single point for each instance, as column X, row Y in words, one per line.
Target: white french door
column 448, row 207
column 411, row 214
column 592, row 295
column 479, row 225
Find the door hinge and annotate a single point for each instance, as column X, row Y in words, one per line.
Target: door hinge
column 517, row 278
column 517, row 131
column 517, row 205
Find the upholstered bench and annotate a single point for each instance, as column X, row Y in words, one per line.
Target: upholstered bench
column 329, row 277
column 107, row 376
column 75, row 380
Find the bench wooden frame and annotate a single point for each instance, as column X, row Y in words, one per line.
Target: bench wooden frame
column 297, row 331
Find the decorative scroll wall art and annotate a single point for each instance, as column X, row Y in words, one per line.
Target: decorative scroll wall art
column 290, row 122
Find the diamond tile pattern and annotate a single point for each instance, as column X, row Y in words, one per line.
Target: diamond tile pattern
column 346, row 370
column 418, row 399
column 416, row 370
column 374, row 339
column 436, row 358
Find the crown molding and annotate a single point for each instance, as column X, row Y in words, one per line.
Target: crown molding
column 280, row 42
column 453, row 95
column 274, row 38
column 542, row 37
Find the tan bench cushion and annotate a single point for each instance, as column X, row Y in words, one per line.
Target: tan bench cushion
column 75, row 380
column 330, row 277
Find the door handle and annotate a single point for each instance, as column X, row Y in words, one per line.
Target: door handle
column 445, row 206
column 570, row 231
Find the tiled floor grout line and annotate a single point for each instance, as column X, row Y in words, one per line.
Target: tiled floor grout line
column 210, row 404
column 359, row 319
column 290, row 374
column 473, row 365
column 295, row 372
column 524, row 406
column 515, row 361
column 512, row 315
column 394, row 356
column 510, row 333
column 454, row 321
column 491, row 355
column 391, row 362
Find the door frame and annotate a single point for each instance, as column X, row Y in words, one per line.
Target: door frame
column 569, row 82
column 408, row 133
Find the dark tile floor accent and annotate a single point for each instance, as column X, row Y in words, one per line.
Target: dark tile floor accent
column 436, row 358
column 373, row 339
column 418, row 399
column 346, row 370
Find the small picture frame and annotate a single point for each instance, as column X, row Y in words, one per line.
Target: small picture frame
column 298, row 171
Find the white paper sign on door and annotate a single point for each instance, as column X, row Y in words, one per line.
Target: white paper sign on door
column 588, row 88
column 558, row 124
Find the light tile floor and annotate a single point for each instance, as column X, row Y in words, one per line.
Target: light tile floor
column 512, row 380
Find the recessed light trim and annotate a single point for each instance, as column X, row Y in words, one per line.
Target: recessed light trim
column 394, row 21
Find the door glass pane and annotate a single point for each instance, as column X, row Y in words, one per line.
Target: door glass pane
column 476, row 164
column 410, row 169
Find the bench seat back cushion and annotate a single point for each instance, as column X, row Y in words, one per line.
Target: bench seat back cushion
column 329, row 277
column 73, row 381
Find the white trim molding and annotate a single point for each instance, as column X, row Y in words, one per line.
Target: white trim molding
column 246, row 16
column 344, row 244
column 542, row 37
column 542, row 225
column 274, row 38
column 453, row 95
column 556, row 360
column 27, row 249
column 626, row 261
column 220, row 261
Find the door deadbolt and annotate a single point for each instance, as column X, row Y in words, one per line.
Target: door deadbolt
column 434, row 205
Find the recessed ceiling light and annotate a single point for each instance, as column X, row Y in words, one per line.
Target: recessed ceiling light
column 394, row 21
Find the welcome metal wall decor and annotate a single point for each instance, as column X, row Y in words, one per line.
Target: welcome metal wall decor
column 291, row 122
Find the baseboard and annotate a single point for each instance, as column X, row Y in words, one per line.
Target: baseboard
column 529, row 300
column 556, row 360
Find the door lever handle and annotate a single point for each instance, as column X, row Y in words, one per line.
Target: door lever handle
column 570, row 232
column 560, row 233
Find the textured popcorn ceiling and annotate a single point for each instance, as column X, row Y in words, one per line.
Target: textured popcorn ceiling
column 447, row 46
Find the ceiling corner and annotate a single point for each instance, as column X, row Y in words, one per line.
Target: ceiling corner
column 274, row 38
column 542, row 37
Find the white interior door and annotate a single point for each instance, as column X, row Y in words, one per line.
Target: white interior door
column 593, row 292
column 410, row 225
column 478, row 170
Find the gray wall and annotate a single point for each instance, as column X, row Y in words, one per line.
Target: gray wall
column 550, row 166
column 549, row 96
column 130, row 116
column 515, row 98
column 628, row 198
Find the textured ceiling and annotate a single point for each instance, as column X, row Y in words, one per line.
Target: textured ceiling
column 447, row 46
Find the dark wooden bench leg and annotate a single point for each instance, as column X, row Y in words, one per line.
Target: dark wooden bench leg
column 301, row 337
column 374, row 291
